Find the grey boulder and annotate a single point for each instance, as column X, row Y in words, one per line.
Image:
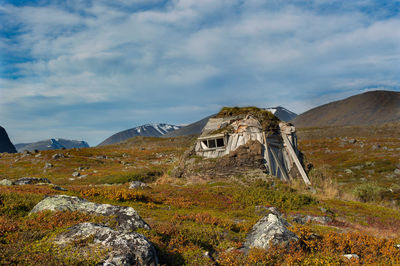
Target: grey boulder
column 271, row 229
column 127, row 218
column 123, row 248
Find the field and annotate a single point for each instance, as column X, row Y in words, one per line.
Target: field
column 205, row 223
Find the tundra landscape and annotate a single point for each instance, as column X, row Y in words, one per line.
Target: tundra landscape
column 211, row 132
column 349, row 215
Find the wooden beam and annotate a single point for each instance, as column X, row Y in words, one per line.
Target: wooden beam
column 296, row 160
column 266, row 154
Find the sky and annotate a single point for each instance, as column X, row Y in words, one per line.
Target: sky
column 85, row 70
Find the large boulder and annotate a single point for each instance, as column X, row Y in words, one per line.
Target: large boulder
column 271, row 229
column 128, row 219
column 122, row 248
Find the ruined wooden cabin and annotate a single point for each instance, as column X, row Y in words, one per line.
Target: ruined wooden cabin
column 224, row 134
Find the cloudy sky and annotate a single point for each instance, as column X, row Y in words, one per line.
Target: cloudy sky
column 87, row 69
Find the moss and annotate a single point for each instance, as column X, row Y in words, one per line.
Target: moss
column 268, row 121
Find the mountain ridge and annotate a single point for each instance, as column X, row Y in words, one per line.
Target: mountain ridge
column 51, row 144
column 147, row 130
column 368, row 108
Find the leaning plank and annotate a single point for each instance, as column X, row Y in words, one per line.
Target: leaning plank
column 296, row 160
column 266, row 154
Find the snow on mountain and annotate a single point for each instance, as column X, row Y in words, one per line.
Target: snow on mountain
column 51, row 144
column 282, row 113
column 147, row 130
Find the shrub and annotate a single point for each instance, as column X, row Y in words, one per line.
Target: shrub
column 368, row 192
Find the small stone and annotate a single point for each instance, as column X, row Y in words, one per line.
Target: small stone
column 375, row 147
column 348, row 171
column 351, row 256
column 76, row 174
column 38, row 155
column 397, row 171
column 57, row 156
column 352, row 141
column 48, row 165
column 59, row 188
column 6, row 182
column 82, row 176
column 137, row 185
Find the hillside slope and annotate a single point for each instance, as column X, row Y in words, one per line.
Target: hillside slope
column 370, row 108
column 5, row 143
column 51, row 144
column 148, row 130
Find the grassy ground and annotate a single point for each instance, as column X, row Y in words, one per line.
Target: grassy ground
column 206, row 224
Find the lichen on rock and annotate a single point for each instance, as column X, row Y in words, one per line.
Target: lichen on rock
column 122, row 248
column 127, row 218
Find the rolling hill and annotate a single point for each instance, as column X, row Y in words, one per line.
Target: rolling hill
column 369, row 108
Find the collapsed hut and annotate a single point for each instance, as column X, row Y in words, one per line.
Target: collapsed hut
column 232, row 128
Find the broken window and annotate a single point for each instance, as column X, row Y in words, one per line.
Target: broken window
column 220, row 142
column 212, row 143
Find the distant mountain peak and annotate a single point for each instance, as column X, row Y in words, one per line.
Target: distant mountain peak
column 51, row 144
column 147, row 130
column 282, row 113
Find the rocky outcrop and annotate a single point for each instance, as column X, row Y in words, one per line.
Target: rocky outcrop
column 127, row 218
column 123, row 248
column 5, row 143
column 271, row 229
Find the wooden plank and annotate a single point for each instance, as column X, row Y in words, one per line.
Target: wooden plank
column 266, row 154
column 278, row 163
column 296, row 160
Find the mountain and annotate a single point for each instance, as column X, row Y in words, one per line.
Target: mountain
column 51, row 144
column 5, row 143
column 282, row 113
column 369, row 108
column 192, row 129
column 148, row 130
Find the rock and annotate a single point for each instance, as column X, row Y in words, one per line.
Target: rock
column 6, row 182
column 31, row 180
column 82, row 176
column 123, row 248
column 128, row 219
column 137, row 185
column 351, row 256
column 59, row 188
column 352, row 141
column 58, row 156
column 397, row 171
column 303, row 219
column 271, row 229
column 375, row 147
column 348, row 171
column 48, row 165
column 76, row 174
